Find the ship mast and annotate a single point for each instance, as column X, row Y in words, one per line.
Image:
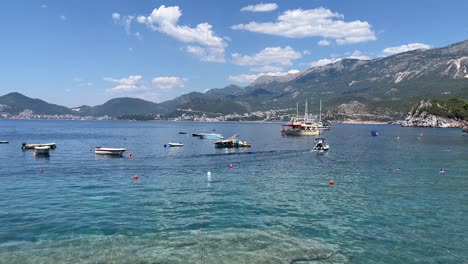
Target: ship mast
column 305, row 111
column 320, row 116
column 297, row 110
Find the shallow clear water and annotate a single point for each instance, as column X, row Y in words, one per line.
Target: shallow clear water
column 274, row 206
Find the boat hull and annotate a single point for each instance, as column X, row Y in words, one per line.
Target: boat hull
column 231, row 144
column 109, row 151
column 32, row 146
column 297, row 132
column 41, row 150
column 175, row 145
column 211, row 136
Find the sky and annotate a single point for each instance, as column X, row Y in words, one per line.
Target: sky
column 84, row 52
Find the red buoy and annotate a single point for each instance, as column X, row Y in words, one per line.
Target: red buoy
column 231, row 166
column 130, row 155
column 332, row 182
column 135, row 177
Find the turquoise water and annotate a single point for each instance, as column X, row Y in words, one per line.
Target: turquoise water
column 274, row 206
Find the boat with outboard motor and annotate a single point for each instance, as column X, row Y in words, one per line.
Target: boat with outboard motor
column 321, row 144
column 232, row 142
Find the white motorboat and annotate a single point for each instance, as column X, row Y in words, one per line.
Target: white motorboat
column 321, row 144
column 175, row 144
column 210, row 136
column 41, row 150
column 32, row 146
column 109, row 151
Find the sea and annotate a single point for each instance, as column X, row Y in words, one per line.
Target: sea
column 389, row 202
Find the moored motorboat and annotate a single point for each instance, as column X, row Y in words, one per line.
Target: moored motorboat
column 374, row 132
column 41, row 150
column 109, row 151
column 175, row 144
column 211, row 136
column 182, row 133
column 31, row 146
column 4, row 142
column 321, row 144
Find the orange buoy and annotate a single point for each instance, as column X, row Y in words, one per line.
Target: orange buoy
column 135, row 177
column 231, row 166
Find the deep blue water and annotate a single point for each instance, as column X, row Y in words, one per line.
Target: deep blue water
column 274, row 206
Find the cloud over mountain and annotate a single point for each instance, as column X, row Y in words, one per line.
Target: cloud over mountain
column 318, row 22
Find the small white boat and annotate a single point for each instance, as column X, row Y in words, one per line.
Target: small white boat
column 32, row 146
column 41, row 150
column 321, row 144
column 210, row 136
column 4, row 142
column 109, row 151
column 175, row 144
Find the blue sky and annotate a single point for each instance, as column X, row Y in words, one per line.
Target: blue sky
column 87, row 52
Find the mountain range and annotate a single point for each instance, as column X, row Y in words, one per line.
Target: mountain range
column 379, row 88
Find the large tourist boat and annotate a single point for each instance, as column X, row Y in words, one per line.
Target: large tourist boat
column 300, row 126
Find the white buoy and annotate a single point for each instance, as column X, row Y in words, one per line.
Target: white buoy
column 208, row 173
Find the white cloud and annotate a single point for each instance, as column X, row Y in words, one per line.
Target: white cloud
column 267, row 68
column 168, row 82
column 351, row 55
column 249, row 78
column 131, row 84
column 404, row 48
column 130, row 49
column 115, row 17
column 43, row 6
column 358, row 55
column 324, row 42
column 165, row 20
column 260, row 7
column 206, row 53
column 322, row 62
column 319, row 22
column 277, row 57
column 80, row 82
column 63, row 18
